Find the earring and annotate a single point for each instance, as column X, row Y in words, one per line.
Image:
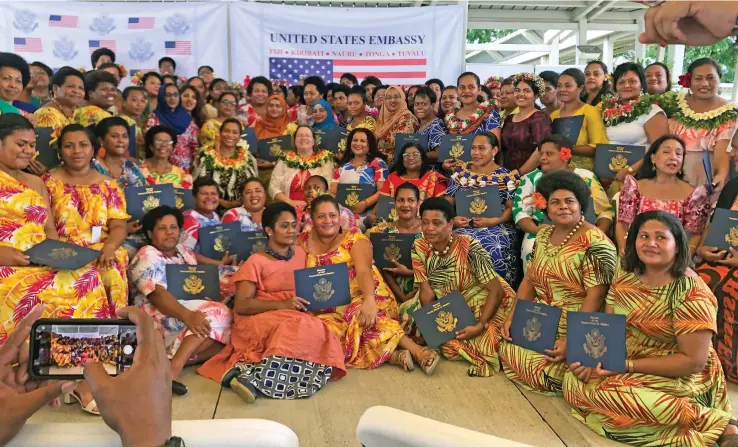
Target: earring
column 653, row 168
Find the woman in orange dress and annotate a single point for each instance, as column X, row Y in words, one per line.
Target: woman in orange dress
column 394, row 118
column 277, row 349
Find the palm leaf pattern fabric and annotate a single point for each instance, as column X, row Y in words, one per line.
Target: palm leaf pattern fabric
column 561, row 276
column 649, row 410
column 64, row 293
column 466, row 268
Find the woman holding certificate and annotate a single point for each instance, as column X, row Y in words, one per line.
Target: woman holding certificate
column 249, row 214
column 571, row 268
column 368, row 328
column 674, row 391
column 496, row 234
column 277, row 349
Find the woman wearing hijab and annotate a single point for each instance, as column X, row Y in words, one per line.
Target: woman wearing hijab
column 394, row 118
column 170, row 113
column 275, row 123
column 323, row 117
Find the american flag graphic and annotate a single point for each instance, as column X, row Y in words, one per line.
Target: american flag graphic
column 390, row 71
column 57, row 21
column 140, row 23
column 178, row 47
column 27, row 45
column 97, row 44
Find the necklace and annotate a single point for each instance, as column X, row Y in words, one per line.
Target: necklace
column 568, row 236
column 279, row 257
column 448, row 247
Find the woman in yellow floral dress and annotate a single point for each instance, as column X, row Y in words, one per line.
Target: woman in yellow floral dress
column 90, row 209
column 101, row 89
column 674, row 392
column 571, row 267
column 369, row 327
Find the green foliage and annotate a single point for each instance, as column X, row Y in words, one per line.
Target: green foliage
column 486, row 35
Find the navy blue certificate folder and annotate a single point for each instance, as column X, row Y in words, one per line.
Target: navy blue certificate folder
column 723, row 231
column 61, row 255
column 568, row 127
column 183, row 199
column 193, row 282
column 255, row 241
column 215, row 240
column 349, row 194
column 388, row 246
column 594, row 337
column 707, row 164
column 332, row 140
column 386, row 208
column 611, row 158
column 249, row 136
column 270, row 148
column 455, row 146
column 534, row 325
column 142, row 199
column 478, row 202
column 324, row 287
column 132, row 142
column 440, row 320
column 401, row 139
column 46, row 153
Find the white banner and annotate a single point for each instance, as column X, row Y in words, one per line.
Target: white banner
column 66, row 33
column 399, row 45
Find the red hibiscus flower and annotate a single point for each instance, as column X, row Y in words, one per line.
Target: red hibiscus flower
column 539, row 201
column 685, row 80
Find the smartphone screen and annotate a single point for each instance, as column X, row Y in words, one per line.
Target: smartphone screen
column 61, row 348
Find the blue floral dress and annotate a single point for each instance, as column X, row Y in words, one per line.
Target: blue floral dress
column 376, row 171
column 131, row 175
column 500, row 241
column 435, row 131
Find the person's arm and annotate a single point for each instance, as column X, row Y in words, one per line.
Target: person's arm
column 596, row 133
column 361, row 253
column 246, row 303
column 492, row 302
column 426, row 294
column 49, row 227
column 485, row 222
column 389, row 278
column 694, row 350
column 656, row 127
column 167, row 304
column 693, row 23
column 117, row 233
column 721, row 164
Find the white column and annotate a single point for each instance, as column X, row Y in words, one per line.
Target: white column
column 581, row 39
column 734, row 93
column 465, row 4
column 640, row 49
column 676, row 57
column 607, row 50
column 553, row 56
column 662, row 54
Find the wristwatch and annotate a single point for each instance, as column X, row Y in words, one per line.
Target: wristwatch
column 174, row 441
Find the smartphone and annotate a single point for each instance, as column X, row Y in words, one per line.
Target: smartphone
column 61, row 347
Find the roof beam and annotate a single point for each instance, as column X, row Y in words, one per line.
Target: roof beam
column 604, row 9
column 482, row 23
column 472, row 54
column 531, row 3
column 553, row 38
column 507, row 47
column 589, row 9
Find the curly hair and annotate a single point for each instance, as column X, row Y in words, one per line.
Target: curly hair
column 12, row 60
column 371, row 140
column 151, row 133
column 569, row 181
column 438, row 204
column 272, row 212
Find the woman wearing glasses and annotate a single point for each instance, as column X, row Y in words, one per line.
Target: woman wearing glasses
column 171, row 113
column 226, row 106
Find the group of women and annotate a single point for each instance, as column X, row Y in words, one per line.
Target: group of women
column 256, row 338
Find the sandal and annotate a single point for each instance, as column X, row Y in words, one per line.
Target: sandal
column 179, row 388
column 402, row 358
column 424, row 357
column 69, row 398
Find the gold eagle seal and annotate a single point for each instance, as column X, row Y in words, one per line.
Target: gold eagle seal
column 178, row 202
column 392, row 253
column 478, row 206
column 352, row 199
column 323, row 290
column 193, row 285
column 341, row 147
column 457, row 150
column 594, row 344
column 446, row 322
column 393, row 215
column 62, row 253
column 221, row 243
column 275, row 149
column 617, row 163
column 732, row 237
column 532, row 329
column 150, row 203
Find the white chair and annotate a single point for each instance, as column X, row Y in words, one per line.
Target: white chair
column 203, row 433
column 388, row 427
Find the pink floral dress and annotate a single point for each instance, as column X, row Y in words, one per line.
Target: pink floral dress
column 187, row 143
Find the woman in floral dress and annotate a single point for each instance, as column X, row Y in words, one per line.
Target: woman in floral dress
column 157, row 169
column 112, row 133
column 674, row 391
column 170, row 113
column 472, row 116
column 497, row 234
column 394, row 118
column 571, row 268
column 252, row 206
column 226, row 105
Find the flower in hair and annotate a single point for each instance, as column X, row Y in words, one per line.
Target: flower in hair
column 123, row 71
column 494, row 82
column 539, row 201
column 537, row 81
column 565, row 153
column 685, row 80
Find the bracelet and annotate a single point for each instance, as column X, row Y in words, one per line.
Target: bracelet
column 630, row 170
column 629, row 364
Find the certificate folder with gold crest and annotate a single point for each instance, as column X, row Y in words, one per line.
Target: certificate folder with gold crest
column 611, row 158
column 61, row 255
column 270, row 148
column 440, row 320
column 568, row 127
column 534, row 325
column 478, row 202
column 332, row 140
column 215, row 240
column 193, row 282
column 723, row 232
column 392, row 246
column 594, row 337
column 254, row 242
column 324, row 287
column 386, row 208
column 249, row 136
column 401, row 139
column 455, row 146
column 142, row 199
column 46, row 154
column 349, row 194
column 183, row 199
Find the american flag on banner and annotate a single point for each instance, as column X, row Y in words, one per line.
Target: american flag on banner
column 178, row 47
column 97, row 44
column 140, row 23
column 27, row 45
column 390, row 71
column 58, row 21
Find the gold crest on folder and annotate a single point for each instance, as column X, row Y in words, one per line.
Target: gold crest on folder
column 222, row 242
column 352, row 199
column 392, row 253
column 617, row 163
column 178, row 202
column 318, row 140
column 457, row 150
column 275, row 149
column 532, row 329
column 150, row 203
column 393, row 215
column 341, row 147
column 62, row 253
column 732, row 237
column 594, row 344
column 446, row 322
column 323, row 290
column 478, row 206
column 193, row 285
column 258, row 246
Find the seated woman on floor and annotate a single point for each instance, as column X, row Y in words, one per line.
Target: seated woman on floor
column 193, row 330
column 89, row 209
column 445, row 262
column 555, row 155
column 571, row 267
column 277, row 348
column 369, row 327
column 253, row 201
column 674, row 391
column 496, row 234
column 316, row 186
column 407, row 203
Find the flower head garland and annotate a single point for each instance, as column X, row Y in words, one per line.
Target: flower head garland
column 565, row 154
column 704, row 120
column 685, row 80
column 467, row 178
column 123, row 71
column 454, row 123
column 136, row 79
column 493, row 81
column 236, row 88
column 615, row 112
column 181, row 80
column 539, row 201
column 536, row 80
column 294, row 161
